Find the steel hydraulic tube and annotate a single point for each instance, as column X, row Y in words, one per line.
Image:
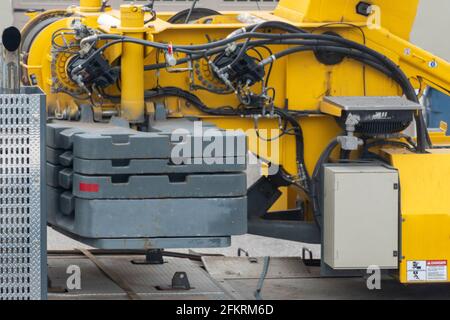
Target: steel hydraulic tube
column 132, row 72
column 9, row 61
column 90, row 5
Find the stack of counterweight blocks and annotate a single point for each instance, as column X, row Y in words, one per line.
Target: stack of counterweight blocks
column 112, row 187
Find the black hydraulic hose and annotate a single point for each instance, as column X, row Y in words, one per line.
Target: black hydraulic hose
column 189, row 97
column 212, row 45
column 396, row 71
column 423, row 138
column 157, row 45
column 380, row 143
column 195, row 101
column 97, row 52
column 265, row 24
column 402, row 79
column 300, row 145
column 188, row 18
column 313, row 44
column 364, row 58
column 217, row 50
column 295, row 33
column 409, row 91
column 316, row 45
column 325, row 156
column 278, row 25
column 315, row 183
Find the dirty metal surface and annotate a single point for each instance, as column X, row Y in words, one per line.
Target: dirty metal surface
column 337, row 289
column 291, row 279
column 251, row 268
column 143, row 279
column 224, row 282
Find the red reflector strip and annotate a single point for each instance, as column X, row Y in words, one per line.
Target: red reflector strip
column 89, row 187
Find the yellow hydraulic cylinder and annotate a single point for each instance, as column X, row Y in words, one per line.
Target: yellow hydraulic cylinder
column 90, row 5
column 132, row 25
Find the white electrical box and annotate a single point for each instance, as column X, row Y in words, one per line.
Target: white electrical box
column 361, row 214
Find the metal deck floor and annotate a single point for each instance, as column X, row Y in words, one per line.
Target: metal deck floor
column 221, row 278
column 142, row 279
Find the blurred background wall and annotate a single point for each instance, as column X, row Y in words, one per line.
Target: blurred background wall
column 432, row 27
column 430, row 31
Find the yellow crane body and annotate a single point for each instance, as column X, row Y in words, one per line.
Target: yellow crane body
column 300, row 81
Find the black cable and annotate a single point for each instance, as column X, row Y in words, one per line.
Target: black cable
column 322, row 42
column 348, row 52
column 262, row 278
column 188, row 17
column 284, row 26
column 300, row 146
column 228, row 111
column 214, row 51
column 399, row 75
column 315, row 183
column 152, row 18
column 269, row 72
column 364, row 38
column 244, row 47
column 191, row 98
column 380, row 143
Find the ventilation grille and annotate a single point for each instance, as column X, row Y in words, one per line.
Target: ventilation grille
column 20, row 207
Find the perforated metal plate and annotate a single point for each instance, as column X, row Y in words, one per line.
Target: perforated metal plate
column 22, row 232
column 373, row 103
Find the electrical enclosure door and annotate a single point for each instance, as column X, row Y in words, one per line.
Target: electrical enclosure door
column 361, row 212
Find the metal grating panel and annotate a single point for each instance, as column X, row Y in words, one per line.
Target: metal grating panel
column 22, row 235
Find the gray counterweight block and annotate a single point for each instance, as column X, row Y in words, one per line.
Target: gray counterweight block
column 94, row 146
column 52, row 174
column 113, row 187
column 60, row 134
column 158, row 166
column 174, row 139
column 150, row 218
column 160, row 186
column 53, row 155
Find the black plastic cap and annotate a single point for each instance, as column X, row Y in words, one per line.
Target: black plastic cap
column 11, row 39
column 363, row 8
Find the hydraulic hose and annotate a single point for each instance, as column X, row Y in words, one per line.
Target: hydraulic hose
column 314, row 194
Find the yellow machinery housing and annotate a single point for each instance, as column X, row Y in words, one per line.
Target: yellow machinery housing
column 300, row 80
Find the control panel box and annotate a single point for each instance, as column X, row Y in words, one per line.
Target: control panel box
column 361, row 216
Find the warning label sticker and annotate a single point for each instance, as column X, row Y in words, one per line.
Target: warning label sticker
column 427, row 270
column 417, row 271
column 437, row 270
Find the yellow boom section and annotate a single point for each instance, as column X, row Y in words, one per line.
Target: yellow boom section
column 396, row 19
column 397, row 16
